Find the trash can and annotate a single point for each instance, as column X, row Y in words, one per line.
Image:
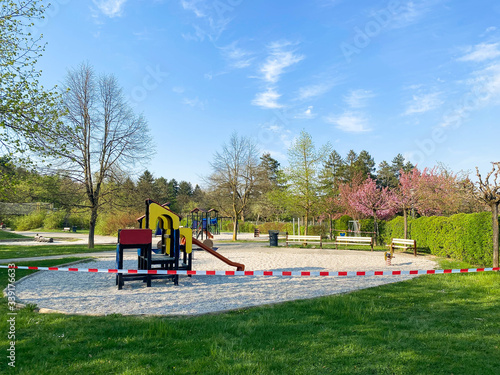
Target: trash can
column 273, row 237
column 74, row 228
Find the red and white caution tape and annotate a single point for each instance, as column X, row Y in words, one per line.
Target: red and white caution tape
column 257, row 273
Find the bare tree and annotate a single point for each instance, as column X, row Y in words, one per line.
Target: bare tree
column 106, row 138
column 489, row 193
column 235, row 177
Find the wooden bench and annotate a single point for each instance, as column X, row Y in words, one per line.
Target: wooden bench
column 304, row 239
column 343, row 240
column 401, row 243
column 66, row 229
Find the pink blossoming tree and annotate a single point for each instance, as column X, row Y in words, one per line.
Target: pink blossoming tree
column 375, row 202
column 428, row 192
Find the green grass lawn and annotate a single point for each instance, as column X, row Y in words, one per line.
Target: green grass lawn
column 440, row 324
column 5, row 235
column 8, row 252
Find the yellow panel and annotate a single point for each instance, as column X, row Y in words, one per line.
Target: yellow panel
column 188, row 234
column 156, row 211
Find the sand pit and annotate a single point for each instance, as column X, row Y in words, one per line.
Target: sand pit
column 97, row 294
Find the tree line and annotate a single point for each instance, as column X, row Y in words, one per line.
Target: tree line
column 319, row 184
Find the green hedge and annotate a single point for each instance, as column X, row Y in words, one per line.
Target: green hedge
column 243, row 227
column 342, row 223
column 281, row 226
column 466, row 237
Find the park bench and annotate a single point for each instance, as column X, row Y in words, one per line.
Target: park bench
column 364, row 241
column 66, row 229
column 303, row 239
column 401, row 243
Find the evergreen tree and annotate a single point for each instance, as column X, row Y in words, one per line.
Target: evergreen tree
column 364, row 164
column 270, row 167
column 330, row 175
column 145, row 186
column 173, row 191
column 160, row 190
column 385, row 175
column 184, row 195
column 348, row 169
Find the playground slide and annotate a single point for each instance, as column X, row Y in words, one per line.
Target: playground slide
column 239, row 266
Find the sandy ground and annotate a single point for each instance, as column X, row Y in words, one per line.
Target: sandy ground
column 90, row 293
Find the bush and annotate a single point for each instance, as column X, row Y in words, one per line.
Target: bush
column 227, row 226
column 366, row 225
column 108, row 224
column 55, row 220
column 28, row 222
column 466, row 237
column 243, row 227
column 318, row 230
column 342, row 223
column 79, row 219
column 246, row 227
column 281, row 226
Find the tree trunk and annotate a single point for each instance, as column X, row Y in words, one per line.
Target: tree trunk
column 494, row 213
column 405, row 215
column 235, row 228
column 93, row 220
column 375, row 226
column 306, row 220
column 331, row 227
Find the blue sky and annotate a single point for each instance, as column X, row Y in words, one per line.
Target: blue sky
column 420, row 78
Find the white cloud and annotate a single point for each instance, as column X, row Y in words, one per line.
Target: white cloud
column 214, row 17
column 195, row 6
column 424, row 103
column 195, row 103
column 349, row 122
column 482, row 52
column 307, row 114
column 490, row 29
column 267, row 99
column 357, row 98
column 486, row 85
column 278, row 60
column 312, row 91
column 484, row 91
column 110, row 8
column 274, row 132
column 411, row 12
column 238, row 57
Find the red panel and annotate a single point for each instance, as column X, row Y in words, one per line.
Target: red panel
column 135, row 236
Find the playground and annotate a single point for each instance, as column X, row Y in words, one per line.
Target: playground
column 97, row 294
